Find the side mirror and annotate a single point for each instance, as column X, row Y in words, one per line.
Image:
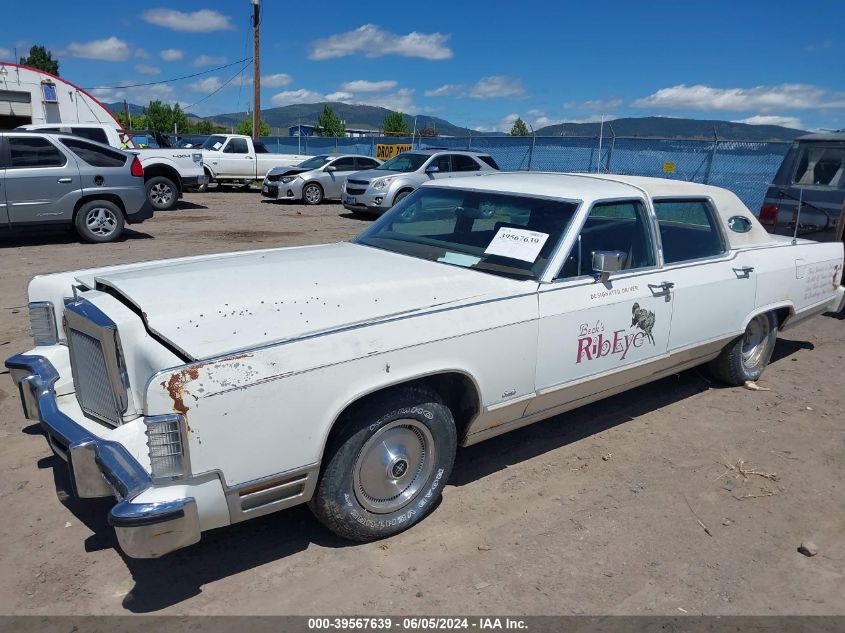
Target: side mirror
column 431, row 169
column 331, row 168
column 607, row 262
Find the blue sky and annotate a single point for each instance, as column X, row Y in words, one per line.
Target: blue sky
column 477, row 64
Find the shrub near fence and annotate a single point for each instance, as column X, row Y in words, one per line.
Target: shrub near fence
column 744, row 167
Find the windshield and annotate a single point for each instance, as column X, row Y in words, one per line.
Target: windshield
column 314, row 162
column 406, row 161
column 498, row 233
column 213, row 141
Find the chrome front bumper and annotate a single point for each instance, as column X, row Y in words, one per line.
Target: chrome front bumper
column 103, row 468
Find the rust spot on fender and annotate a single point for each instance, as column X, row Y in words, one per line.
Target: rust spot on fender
column 176, row 387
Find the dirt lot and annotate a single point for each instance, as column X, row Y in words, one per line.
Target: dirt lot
column 599, row 511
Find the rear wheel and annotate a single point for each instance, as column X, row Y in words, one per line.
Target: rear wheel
column 385, row 469
column 162, row 193
column 745, row 358
column 99, row 221
column 312, row 193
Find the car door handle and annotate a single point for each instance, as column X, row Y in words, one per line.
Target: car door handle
column 744, row 271
column 65, row 180
column 661, row 289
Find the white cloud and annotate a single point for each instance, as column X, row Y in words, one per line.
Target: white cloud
column 613, row 103
column 209, row 60
column 507, row 122
column 171, row 54
column 297, row 96
column 5, row 53
column 141, row 94
column 146, row 69
column 362, row 85
column 445, row 90
column 111, row 49
column 279, row 80
column 202, row 21
column 773, row 119
column 339, row 96
column 497, row 86
column 760, row 98
column 402, row 100
column 543, row 121
column 371, row 41
column 209, row 84
column 536, row 112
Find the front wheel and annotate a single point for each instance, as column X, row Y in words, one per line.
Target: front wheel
column 386, row 467
column 312, row 193
column 745, row 358
column 99, row 221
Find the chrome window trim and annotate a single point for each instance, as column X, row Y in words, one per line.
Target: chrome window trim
column 83, row 316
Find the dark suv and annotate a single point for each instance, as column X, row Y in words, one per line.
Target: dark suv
column 60, row 179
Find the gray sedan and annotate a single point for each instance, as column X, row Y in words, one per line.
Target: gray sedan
column 60, row 179
column 315, row 179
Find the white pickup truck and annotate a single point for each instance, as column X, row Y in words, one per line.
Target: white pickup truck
column 168, row 173
column 346, row 375
column 235, row 158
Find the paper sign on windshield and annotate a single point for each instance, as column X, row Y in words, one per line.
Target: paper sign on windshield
column 517, row 244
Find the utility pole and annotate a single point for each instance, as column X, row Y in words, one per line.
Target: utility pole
column 256, row 73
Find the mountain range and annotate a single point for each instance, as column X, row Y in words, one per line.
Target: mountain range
column 371, row 118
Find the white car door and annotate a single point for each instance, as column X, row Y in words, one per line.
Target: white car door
column 714, row 289
column 235, row 159
column 332, row 179
column 595, row 336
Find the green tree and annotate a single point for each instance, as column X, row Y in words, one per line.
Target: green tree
column 42, row 59
column 139, row 122
column 519, row 128
column 245, row 127
column 204, row 127
column 159, row 116
column 179, row 119
column 395, row 125
column 329, row 125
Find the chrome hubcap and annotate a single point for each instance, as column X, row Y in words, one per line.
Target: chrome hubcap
column 161, row 193
column 755, row 340
column 101, row 221
column 393, row 466
column 312, row 194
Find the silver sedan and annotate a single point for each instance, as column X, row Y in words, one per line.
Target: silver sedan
column 315, row 179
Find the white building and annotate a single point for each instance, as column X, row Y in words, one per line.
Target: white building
column 29, row 95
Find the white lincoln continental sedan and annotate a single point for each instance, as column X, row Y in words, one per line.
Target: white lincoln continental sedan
column 207, row 390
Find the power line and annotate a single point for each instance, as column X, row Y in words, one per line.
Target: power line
column 165, row 81
column 226, row 83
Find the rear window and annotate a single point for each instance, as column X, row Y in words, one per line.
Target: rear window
column 489, row 160
column 688, row 230
column 821, row 165
column 461, row 162
column 91, row 133
column 34, row 151
column 95, row 155
column 260, row 148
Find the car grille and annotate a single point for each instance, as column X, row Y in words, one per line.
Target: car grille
column 356, row 187
column 94, row 391
column 273, row 177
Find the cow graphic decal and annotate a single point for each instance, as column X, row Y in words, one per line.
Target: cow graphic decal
column 643, row 319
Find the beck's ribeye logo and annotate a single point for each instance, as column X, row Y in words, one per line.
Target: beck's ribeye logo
column 594, row 342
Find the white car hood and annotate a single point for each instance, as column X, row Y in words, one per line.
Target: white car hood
column 213, row 305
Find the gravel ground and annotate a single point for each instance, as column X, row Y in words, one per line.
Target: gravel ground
column 599, row 511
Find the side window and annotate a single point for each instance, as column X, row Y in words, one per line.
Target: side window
column 34, row 151
column 236, row 146
column 460, row 162
column 95, row 155
column 612, row 226
column 366, row 163
column 344, row 164
column 260, row 148
column 821, row 166
column 688, row 230
column 91, row 133
column 442, row 162
column 490, row 162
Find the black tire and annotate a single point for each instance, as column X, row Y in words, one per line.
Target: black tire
column 746, row 357
column 162, row 193
column 204, row 188
column 99, row 221
column 401, row 196
column 419, row 431
column 312, row 193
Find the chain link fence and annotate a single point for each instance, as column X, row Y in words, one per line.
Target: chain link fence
column 744, row 167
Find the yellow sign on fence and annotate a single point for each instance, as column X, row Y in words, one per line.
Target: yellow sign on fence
column 383, row 152
column 669, row 168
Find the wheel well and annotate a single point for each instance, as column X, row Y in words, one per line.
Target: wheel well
column 313, row 182
column 782, row 315
column 401, row 191
column 99, row 196
column 457, row 390
column 163, row 170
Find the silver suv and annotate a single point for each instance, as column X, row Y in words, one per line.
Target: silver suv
column 376, row 190
column 60, row 179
